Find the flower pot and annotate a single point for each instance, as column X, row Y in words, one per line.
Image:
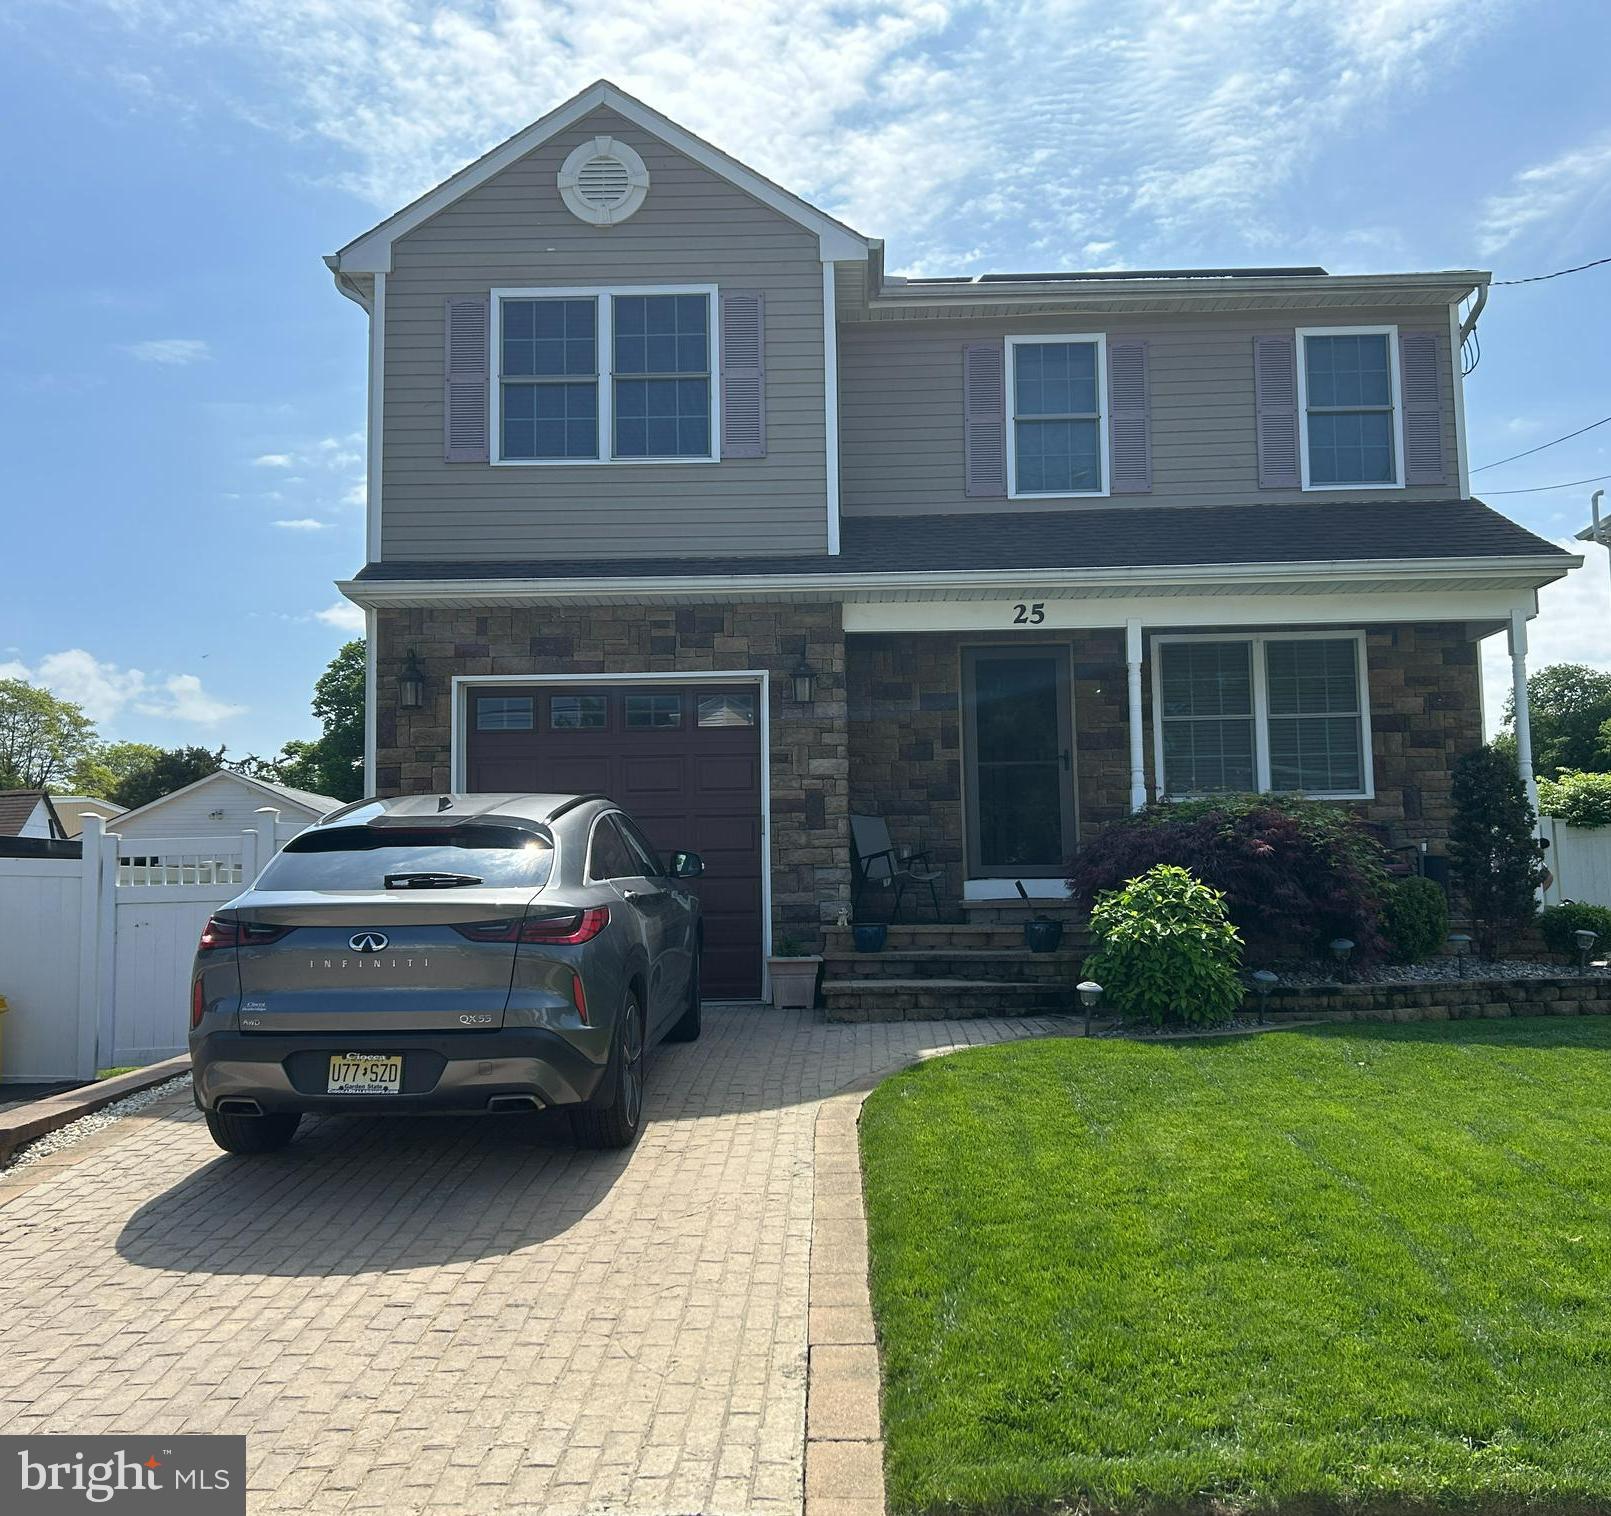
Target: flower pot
column 1042, row 934
column 870, row 936
column 794, row 982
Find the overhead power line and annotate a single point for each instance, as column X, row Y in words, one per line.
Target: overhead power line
column 1538, row 489
column 1540, row 278
column 1542, row 445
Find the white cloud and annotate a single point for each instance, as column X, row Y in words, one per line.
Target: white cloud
column 343, row 615
column 105, row 690
column 1573, row 614
column 182, row 698
column 1562, row 194
column 273, row 460
column 1048, row 125
column 303, row 524
column 175, row 352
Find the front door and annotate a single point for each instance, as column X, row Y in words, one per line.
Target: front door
column 1019, row 761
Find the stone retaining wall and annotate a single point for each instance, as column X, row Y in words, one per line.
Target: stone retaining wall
column 1445, row 999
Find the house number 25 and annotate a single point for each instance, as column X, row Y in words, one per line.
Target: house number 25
column 1029, row 615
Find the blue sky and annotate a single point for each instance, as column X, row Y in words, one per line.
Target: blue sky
column 182, row 474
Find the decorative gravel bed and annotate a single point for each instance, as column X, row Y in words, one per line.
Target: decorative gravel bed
column 1439, row 971
column 77, row 1131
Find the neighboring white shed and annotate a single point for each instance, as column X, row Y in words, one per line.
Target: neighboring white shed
column 223, row 804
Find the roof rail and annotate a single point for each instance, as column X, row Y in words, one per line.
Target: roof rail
column 574, row 801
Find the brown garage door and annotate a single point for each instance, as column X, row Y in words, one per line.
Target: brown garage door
column 684, row 759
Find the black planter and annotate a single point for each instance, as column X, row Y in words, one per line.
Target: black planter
column 870, row 936
column 1042, row 935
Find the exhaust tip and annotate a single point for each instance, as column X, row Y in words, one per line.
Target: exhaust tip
column 238, row 1106
column 514, row 1103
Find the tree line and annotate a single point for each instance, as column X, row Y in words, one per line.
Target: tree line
column 49, row 743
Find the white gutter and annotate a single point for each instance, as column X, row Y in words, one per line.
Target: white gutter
column 382, row 591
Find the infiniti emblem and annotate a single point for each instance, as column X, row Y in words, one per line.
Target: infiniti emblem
column 368, row 942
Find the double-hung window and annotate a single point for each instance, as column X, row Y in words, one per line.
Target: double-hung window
column 1057, row 397
column 1283, row 713
column 1348, row 394
column 601, row 376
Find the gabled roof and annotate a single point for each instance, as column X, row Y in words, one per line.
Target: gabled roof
column 320, row 805
column 372, row 252
column 18, row 806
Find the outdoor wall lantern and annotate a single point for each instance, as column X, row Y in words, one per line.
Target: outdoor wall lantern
column 1090, row 997
column 805, row 682
column 1461, row 943
column 1585, row 945
column 411, row 684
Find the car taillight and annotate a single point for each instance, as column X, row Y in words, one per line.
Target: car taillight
column 199, row 1005
column 569, row 927
column 219, row 933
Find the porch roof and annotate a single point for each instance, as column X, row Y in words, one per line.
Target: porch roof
column 1133, row 536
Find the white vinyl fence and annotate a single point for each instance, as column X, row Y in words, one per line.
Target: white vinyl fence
column 1580, row 859
column 95, row 951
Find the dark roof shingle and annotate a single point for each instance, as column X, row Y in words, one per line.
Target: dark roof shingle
column 1128, row 536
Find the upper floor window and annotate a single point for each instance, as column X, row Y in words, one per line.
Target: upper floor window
column 1057, row 391
column 1289, row 714
column 1348, row 404
column 594, row 376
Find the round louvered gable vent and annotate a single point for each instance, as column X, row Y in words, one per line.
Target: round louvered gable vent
column 603, row 181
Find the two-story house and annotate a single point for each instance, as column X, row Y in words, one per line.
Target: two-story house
column 675, row 493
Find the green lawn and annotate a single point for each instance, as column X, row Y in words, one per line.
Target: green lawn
column 1340, row 1269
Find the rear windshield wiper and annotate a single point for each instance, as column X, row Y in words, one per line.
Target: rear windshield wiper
column 425, row 881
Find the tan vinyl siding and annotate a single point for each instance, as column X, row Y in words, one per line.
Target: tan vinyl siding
column 694, row 228
column 900, row 422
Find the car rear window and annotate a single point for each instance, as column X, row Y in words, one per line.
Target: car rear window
column 364, row 857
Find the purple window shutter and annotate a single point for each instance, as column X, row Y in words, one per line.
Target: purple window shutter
column 743, row 374
column 984, row 420
column 1275, row 387
column 1422, row 399
column 1129, row 419
column 468, row 323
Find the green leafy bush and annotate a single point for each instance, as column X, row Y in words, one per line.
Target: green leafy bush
column 1166, row 950
column 1577, row 799
column 1559, row 923
column 1415, row 918
column 1496, row 860
column 1295, row 873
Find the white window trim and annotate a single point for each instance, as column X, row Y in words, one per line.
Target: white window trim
column 603, row 295
column 1261, row 708
column 1038, row 339
column 1391, row 333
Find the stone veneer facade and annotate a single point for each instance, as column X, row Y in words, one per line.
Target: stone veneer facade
column 884, row 733
column 809, row 762
column 906, row 731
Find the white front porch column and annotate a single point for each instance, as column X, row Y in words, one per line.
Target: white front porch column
column 1524, row 723
column 1138, row 769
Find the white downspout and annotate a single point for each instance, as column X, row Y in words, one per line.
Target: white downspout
column 1132, row 661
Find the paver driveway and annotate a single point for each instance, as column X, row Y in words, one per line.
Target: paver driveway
column 442, row 1315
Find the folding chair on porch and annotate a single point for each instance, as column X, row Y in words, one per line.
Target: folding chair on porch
column 879, row 864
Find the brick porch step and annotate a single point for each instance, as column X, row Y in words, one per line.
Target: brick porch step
column 953, row 963
column 967, row 936
column 927, row 999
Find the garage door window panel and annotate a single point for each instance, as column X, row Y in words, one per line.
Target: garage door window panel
column 578, row 713
column 653, row 712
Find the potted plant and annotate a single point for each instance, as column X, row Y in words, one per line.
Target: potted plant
column 793, row 972
column 1042, row 933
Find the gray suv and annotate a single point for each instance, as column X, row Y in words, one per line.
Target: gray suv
column 447, row 953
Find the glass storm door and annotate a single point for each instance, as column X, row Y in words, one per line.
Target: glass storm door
column 1020, row 762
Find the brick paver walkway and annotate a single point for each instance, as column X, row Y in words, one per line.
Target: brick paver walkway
column 444, row 1315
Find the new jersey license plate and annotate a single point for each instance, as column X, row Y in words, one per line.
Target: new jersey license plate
column 366, row 1074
